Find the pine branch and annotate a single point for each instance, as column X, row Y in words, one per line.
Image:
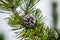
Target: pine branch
column 34, row 27
column 12, row 7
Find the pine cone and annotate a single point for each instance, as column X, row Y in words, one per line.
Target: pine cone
column 29, row 21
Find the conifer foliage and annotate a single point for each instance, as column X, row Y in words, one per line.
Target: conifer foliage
column 31, row 20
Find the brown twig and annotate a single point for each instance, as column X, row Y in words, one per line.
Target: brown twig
column 26, row 11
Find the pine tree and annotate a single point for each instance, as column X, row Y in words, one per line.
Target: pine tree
column 29, row 19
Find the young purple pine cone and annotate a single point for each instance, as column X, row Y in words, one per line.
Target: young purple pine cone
column 29, row 21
